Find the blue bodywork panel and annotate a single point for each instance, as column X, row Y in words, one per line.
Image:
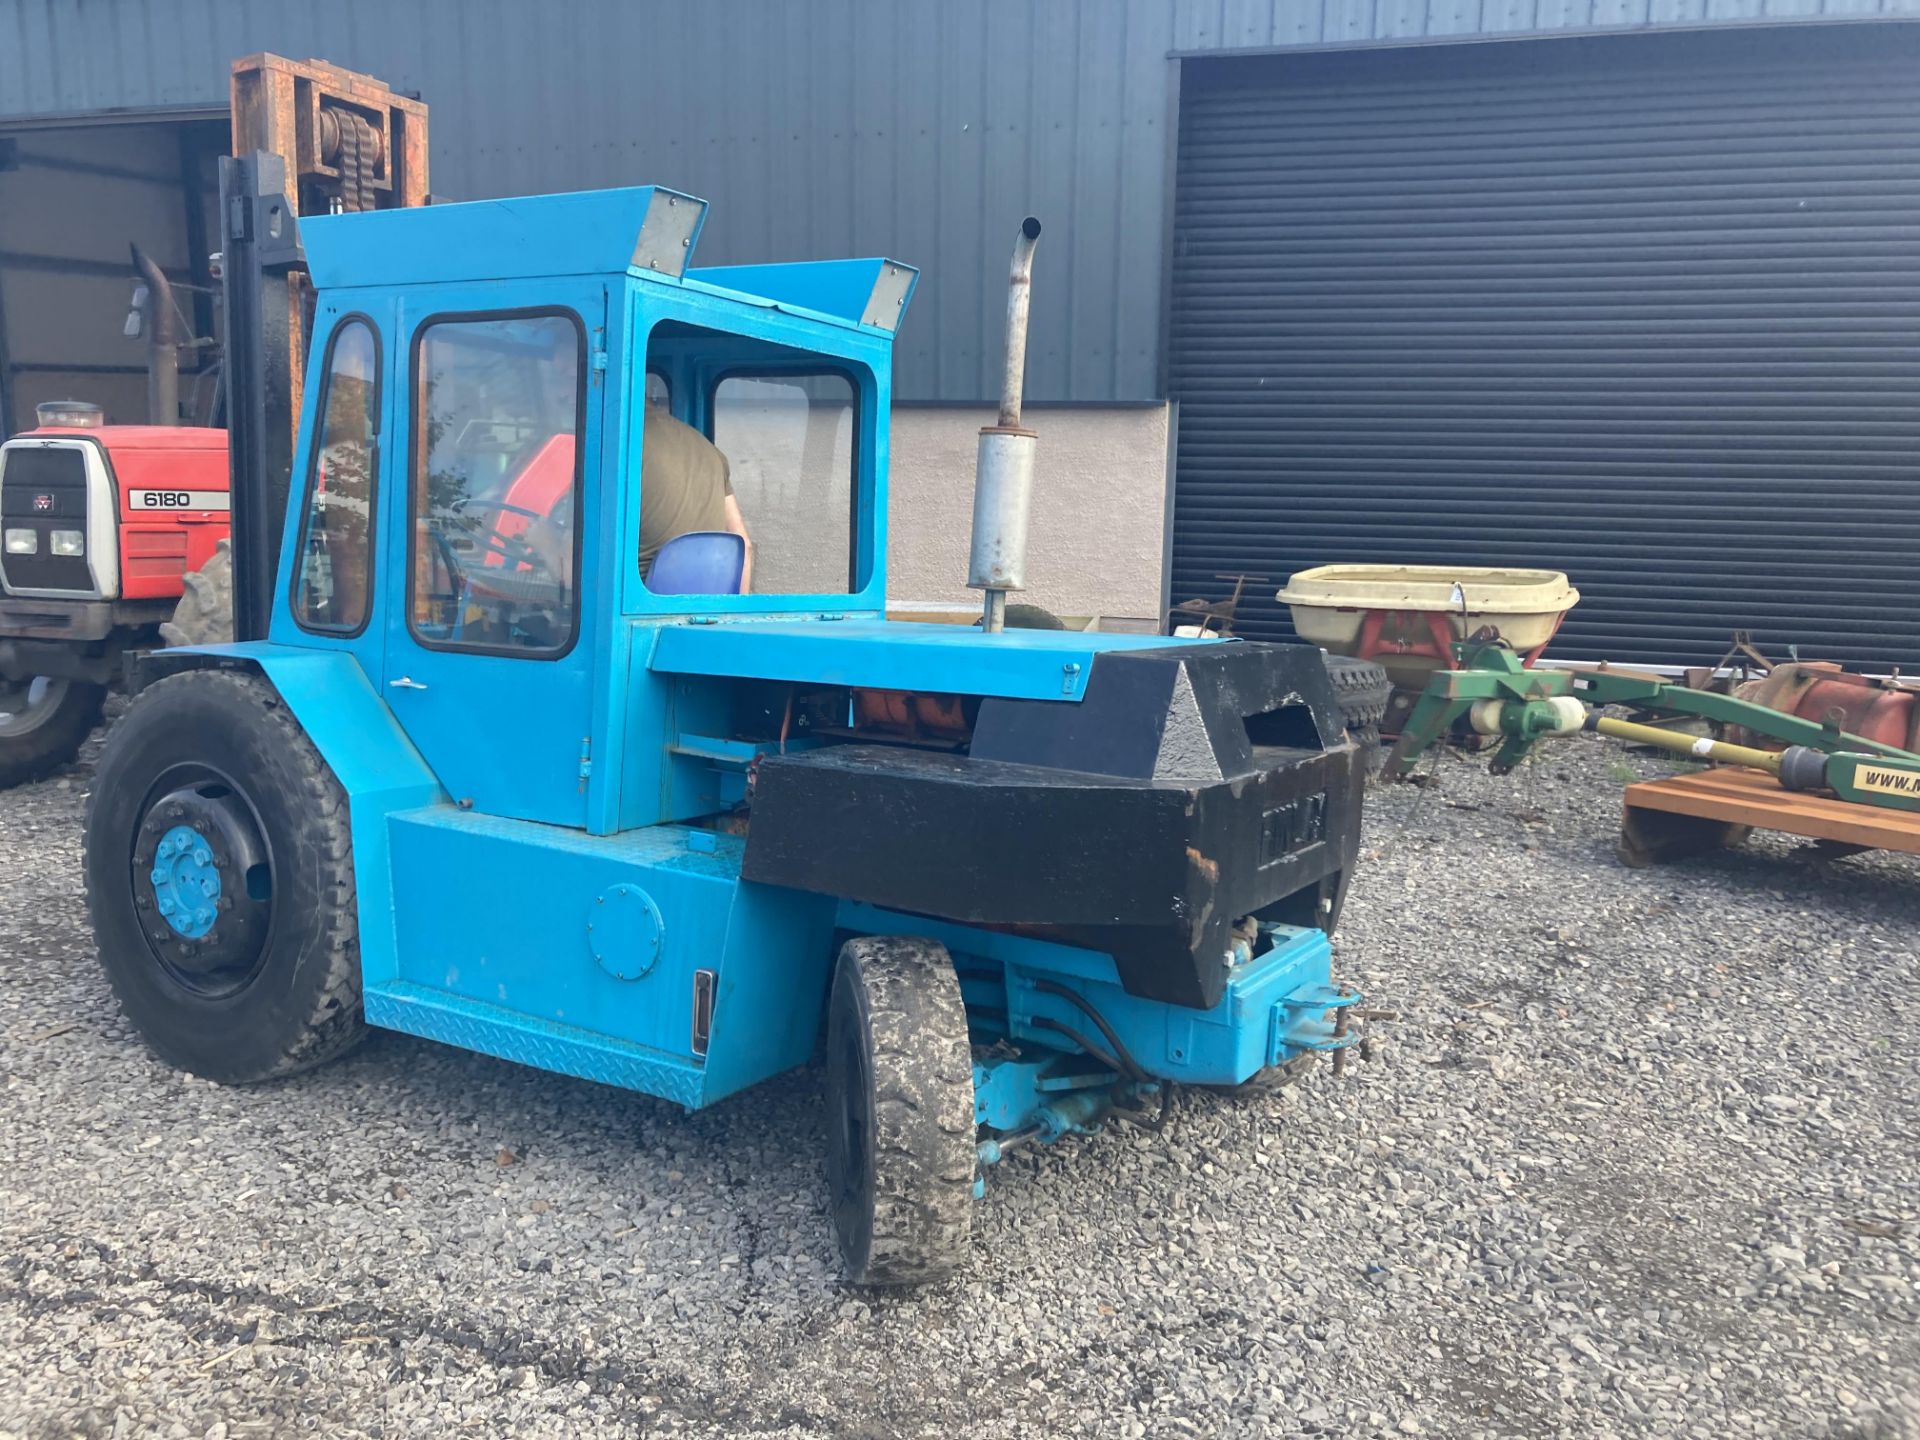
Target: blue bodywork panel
column 891, row 655
column 549, row 974
column 842, row 288
column 589, row 232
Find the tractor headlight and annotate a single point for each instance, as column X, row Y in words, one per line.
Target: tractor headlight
column 23, row 542
column 69, row 542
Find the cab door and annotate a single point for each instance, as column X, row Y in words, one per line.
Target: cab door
column 332, row 591
column 494, row 627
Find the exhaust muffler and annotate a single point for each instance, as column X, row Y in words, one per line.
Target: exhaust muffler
column 1003, row 476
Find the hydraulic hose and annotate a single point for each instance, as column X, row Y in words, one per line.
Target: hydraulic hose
column 1041, row 1022
column 1128, row 1066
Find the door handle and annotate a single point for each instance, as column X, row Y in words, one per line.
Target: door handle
column 405, row 682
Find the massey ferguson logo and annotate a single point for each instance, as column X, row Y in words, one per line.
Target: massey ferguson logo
column 43, row 502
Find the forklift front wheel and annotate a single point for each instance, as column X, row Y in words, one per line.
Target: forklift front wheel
column 219, row 870
column 900, row 1122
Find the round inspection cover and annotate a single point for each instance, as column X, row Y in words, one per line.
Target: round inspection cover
column 624, row 931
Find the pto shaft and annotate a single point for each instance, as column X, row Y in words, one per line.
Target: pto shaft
column 1696, row 746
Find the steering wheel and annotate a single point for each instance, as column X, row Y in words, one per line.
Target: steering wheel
column 512, row 549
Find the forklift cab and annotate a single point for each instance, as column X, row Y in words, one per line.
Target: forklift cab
column 470, row 518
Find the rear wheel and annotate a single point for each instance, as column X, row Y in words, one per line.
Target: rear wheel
column 219, row 872
column 204, row 615
column 43, row 723
column 1362, row 691
column 900, row 1125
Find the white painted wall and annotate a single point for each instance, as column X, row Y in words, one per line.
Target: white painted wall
column 1098, row 514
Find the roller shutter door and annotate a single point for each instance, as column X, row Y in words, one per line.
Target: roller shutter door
column 1645, row 309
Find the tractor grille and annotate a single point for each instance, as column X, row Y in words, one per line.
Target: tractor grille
column 44, row 489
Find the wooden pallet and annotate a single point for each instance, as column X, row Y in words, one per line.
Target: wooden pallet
column 1688, row 814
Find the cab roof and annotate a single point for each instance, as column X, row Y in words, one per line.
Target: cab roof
column 645, row 232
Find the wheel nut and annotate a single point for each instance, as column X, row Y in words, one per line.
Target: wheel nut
column 166, row 907
column 158, row 875
column 200, row 856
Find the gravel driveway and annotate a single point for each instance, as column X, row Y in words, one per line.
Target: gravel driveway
column 1641, row 1157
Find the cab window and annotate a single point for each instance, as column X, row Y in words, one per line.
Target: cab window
column 789, row 442
column 496, row 482
column 332, row 567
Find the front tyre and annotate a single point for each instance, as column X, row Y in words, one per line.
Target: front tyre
column 219, row 873
column 43, row 723
column 900, row 1124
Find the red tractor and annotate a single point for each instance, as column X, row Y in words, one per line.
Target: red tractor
column 102, row 524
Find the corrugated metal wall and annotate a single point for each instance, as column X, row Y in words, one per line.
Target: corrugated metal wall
column 817, row 128
column 1645, row 309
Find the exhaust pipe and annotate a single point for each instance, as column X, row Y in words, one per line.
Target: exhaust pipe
column 163, row 342
column 1003, row 478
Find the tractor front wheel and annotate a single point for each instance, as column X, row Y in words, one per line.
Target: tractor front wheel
column 219, row 871
column 43, row 723
column 901, row 1152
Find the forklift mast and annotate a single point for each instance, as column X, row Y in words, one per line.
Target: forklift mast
column 309, row 138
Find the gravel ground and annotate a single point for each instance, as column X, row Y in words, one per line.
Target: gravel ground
column 1641, row 1157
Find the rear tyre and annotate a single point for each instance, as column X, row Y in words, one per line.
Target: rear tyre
column 1362, row 691
column 43, row 724
column 219, row 873
column 1360, row 688
column 900, row 1125
column 204, row 615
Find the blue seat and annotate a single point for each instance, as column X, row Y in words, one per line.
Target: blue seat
column 700, row 562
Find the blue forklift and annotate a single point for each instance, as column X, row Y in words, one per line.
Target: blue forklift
column 476, row 770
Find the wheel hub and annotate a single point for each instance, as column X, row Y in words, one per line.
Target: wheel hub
column 26, row 704
column 186, row 882
column 203, row 886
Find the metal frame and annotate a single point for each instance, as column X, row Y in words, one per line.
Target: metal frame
column 261, row 251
